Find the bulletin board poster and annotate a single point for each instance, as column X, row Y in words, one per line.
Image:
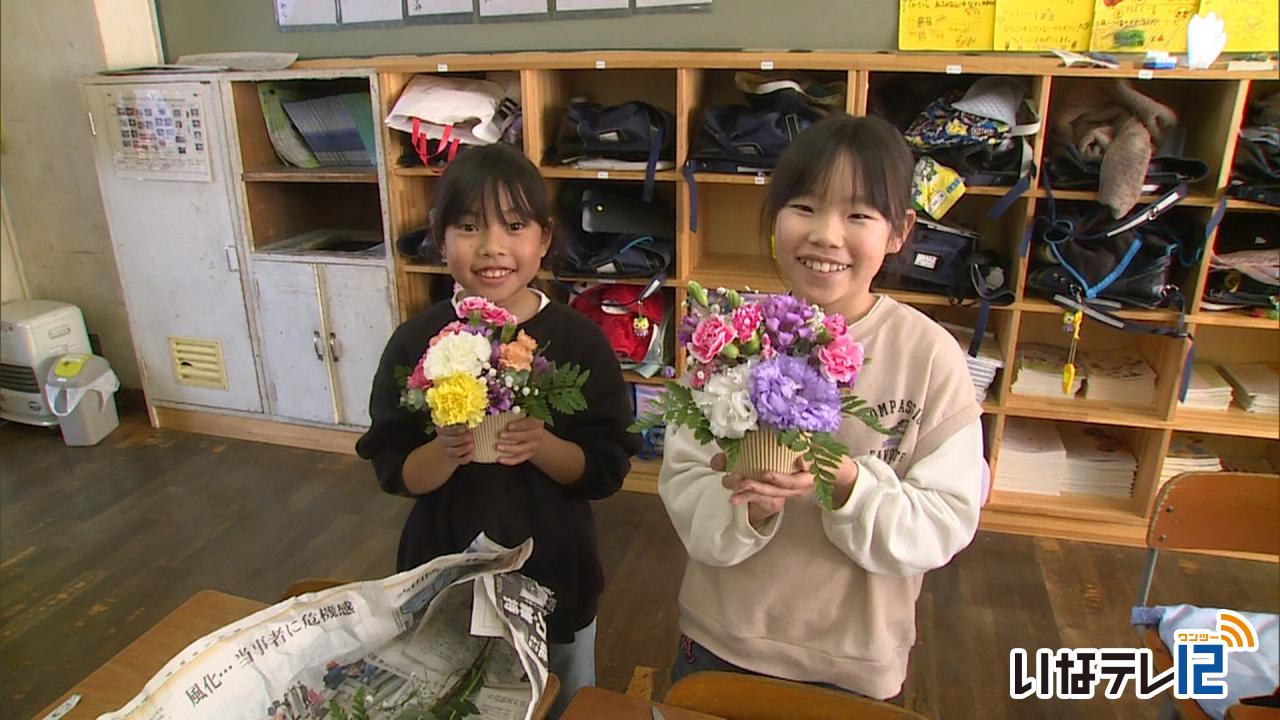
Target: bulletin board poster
column 1251, row 25
column 960, row 25
column 159, row 135
column 1141, row 25
column 1030, row 25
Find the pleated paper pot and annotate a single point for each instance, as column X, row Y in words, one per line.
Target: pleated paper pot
column 761, row 453
column 486, row 434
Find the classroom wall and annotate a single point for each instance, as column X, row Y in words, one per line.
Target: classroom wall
column 12, row 283
column 189, row 27
column 57, row 222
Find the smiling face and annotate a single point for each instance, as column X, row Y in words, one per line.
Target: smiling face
column 837, row 204
column 831, row 243
column 492, row 218
column 497, row 256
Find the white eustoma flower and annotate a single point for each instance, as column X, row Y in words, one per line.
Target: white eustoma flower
column 458, row 353
column 726, row 401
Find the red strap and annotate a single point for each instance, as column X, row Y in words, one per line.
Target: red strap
column 419, row 141
column 453, row 149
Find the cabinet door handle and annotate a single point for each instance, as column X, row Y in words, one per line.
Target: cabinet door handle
column 333, row 347
column 315, row 344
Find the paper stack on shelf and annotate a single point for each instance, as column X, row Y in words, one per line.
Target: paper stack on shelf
column 1208, row 390
column 1119, row 376
column 1257, row 386
column 1188, row 453
column 1032, row 457
column 1039, row 371
column 338, row 128
column 1099, row 461
column 984, row 367
column 285, row 138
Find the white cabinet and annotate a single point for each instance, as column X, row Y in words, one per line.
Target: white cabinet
column 321, row 328
column 172, row 218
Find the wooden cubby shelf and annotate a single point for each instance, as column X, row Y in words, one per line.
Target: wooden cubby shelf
column 728, row 249
column 328, row 174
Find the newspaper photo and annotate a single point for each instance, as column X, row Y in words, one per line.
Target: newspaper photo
column 461, row 636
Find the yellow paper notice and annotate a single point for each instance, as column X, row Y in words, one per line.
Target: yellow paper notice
column 1251, row 25
column 1141, row 25
column 1039, row 25
column 946, row 24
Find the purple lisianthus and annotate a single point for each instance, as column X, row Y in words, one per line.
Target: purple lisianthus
column 684, row 333
column 540, row 365
column 786, row 319
column 791, row 394
column 501, row 398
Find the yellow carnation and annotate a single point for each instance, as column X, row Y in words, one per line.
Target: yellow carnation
column 458, row 399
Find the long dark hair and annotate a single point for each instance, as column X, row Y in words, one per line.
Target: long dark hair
column 879, row 158
column 475, row 183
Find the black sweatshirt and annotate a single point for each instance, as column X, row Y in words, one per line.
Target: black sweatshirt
column 510, row 504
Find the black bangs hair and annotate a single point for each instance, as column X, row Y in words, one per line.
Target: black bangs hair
column 475, row 183
column 878, row 157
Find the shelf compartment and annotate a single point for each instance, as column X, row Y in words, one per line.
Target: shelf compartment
column 1158, row 316
column 1081, row 507
column 570, row 173
column 334, row 174
column 279, row 211
column 1235, row 421
column 643, row 477
column 1191, row 200
column 632, row 376
column 1234, row 319
column 1080, row 411
column 1251, row 206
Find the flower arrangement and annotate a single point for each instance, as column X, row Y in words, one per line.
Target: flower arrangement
column 769, row 380
column 481, row 372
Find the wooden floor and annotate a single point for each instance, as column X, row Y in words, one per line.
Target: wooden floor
column 97, row 544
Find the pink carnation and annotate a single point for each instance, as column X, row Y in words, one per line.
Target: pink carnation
column 835, row 324
column 418, row 380
column 453, row 328
column 746, row 319
column 489, row 313
column 842, row 359
column 711, row 336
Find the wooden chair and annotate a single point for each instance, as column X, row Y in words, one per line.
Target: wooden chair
column 737, row 696
column 1208, row 511
column 307, row 585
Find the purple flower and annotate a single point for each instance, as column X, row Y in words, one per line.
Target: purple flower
column 684, row 334
column 540, row 365
column 500, row 398
column 791, row 394
column 786, row 320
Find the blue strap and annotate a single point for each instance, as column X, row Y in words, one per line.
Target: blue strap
column 1026, row 239
column 1186, row 369
column 693, row 195
column 1091, row 291
column 651, row 169
column 1019, row 189
column 980, row 326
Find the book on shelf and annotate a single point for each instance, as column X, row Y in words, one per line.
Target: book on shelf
column 1257, row 385
column 1039, row 371
column 984, row 366
column 1188, row 453
column 1208, row 390
column 1032, row 457
column 1099, row 461
column 1120, row 375
column 1247, row 464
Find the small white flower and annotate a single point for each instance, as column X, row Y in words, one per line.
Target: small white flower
column 726, row 402
column 515, row 408
column 507, row 381
column 524, row 391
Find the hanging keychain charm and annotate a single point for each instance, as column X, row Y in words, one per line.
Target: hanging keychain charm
column 1071, row 322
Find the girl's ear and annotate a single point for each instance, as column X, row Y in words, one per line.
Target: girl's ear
column 899, row 237
column 548, row 232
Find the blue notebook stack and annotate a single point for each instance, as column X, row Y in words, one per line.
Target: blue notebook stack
column 338, row 128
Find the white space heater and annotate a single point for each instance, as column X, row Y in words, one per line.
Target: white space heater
column 34, row 333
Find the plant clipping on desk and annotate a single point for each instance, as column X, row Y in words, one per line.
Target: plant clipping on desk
column 769, row 380
column 481, row 372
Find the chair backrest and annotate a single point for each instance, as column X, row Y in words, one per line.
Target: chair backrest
column 1217, row 511
column 737, row 696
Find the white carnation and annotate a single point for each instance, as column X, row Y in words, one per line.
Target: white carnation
column 726, row 401
column 459, row 353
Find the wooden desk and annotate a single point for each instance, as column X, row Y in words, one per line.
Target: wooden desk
column 119, row 679
column 594, row 703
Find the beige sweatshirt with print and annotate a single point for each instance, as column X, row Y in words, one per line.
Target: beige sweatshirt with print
column 822, row 596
